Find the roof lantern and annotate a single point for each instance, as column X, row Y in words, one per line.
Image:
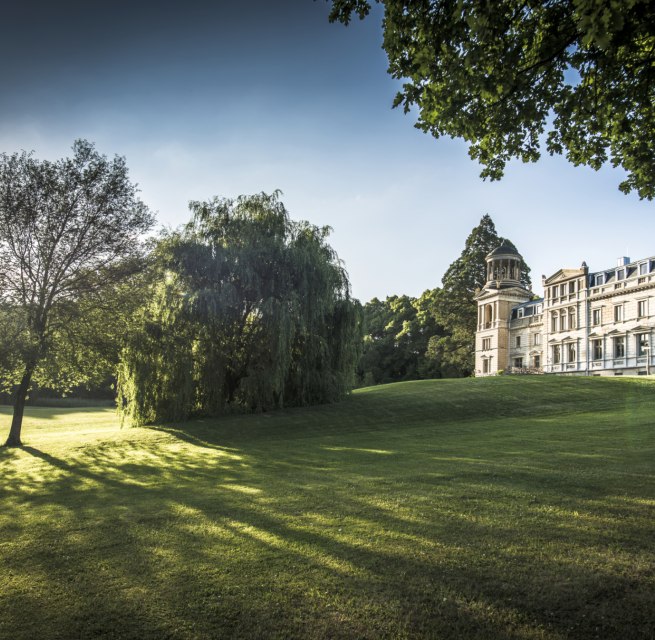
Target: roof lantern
column 504, row 265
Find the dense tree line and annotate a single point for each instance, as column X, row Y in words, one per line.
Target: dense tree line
column 396, row 338
column 242, row 309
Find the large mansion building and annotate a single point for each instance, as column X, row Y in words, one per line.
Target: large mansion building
column 586, row 324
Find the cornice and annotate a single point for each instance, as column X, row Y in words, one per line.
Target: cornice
column 509, row 292
column 619, row 292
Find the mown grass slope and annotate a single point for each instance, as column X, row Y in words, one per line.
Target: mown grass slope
column 496, row 508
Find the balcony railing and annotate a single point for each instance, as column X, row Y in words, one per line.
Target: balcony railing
column 522, row 371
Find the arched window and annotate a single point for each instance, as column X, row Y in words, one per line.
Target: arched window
column 572, row 315
column 488, row 315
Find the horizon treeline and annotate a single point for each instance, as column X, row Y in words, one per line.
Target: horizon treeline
column 240, row 310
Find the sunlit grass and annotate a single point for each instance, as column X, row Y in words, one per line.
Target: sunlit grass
column 499, row 508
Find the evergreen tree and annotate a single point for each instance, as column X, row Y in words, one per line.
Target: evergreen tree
column 455, row 307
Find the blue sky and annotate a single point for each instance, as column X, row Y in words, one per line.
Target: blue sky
column 226, row 98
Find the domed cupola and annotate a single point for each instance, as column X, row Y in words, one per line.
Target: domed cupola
column 504, row 267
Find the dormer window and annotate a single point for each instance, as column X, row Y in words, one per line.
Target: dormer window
column 598, row 279
column 643, row 268
column 620, row 274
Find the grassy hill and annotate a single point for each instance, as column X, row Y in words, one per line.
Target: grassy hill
column 497, row 508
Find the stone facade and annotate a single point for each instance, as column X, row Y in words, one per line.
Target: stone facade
column 587, row 323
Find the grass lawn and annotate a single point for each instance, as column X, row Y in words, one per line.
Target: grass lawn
column 495, row 508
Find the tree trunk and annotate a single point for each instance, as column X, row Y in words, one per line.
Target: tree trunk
column 19, row 407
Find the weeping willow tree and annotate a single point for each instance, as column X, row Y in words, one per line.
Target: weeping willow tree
column 250, row 311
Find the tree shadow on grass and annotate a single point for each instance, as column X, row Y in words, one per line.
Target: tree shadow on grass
column 251, row 540
column 190, row 437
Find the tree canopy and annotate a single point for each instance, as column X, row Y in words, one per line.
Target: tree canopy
column 396, row 335
column 69, row 238
column 500, row 74
column 250, row 311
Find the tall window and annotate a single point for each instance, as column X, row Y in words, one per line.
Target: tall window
column 554, row 322
column 572, row 318
column 642, row 344
column 485, row 365
column 488, row 315
column 486, row 344
column 572, row 286
column 536, row 362
column 518, row 341
column 570, row 352
column 562, row 290
column 562, row 320
column 596, row 317
column 619, row 347
column 597, row 349
column 557, row 354
column 536, row 339
column 642, row 308
column 618, row 313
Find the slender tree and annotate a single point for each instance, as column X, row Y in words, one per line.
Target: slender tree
column 69, row 232
column 252, row 311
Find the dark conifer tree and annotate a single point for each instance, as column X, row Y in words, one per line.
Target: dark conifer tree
column 455, row 307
